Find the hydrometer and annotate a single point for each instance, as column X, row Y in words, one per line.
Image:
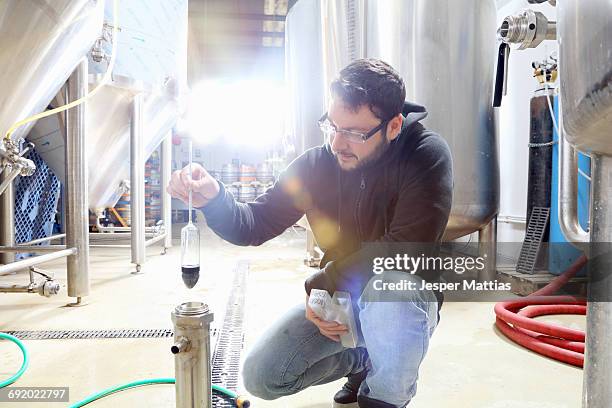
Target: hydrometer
column 190, row 239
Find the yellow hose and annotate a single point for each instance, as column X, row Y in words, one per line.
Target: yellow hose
column 79, row 101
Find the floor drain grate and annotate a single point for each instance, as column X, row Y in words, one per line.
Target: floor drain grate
column 91, row 334
column 538, row 223
column 226, row 358
column 228, row 339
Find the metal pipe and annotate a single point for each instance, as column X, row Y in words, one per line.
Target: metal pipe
column 26, row 263
column 568, row 192
column 110, row 230
column 596, row 391
column 137, row 183
column 155, row 239
column 7, row 220
column 101, row 236
column 487, row 248
column 191, row 351
column 512, row 219
column 166, row 174
column 102, row 228
column 45, row 288
column 76, row 196
column 8, row 180
column 44, row 239
column 33, row 248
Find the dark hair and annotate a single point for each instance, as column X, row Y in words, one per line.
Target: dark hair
column 371, row 82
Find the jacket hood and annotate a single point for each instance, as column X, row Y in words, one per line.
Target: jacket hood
column 413, row 112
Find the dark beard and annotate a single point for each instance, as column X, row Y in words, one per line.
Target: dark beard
column 380, row 150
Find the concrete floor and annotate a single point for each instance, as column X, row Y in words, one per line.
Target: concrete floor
column 468, row 365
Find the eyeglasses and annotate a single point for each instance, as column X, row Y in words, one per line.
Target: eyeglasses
column 330, row 131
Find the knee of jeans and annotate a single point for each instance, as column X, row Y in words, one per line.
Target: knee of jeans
column 259, row 380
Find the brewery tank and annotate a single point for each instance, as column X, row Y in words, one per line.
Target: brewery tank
column 585, row 61
column 40, row 45
column 151, row 60
column 444, row 50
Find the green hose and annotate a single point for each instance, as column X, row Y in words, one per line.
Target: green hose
column 24, row 365
column 239, row 402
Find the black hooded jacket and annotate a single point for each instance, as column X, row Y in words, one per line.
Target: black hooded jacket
column 405, row 196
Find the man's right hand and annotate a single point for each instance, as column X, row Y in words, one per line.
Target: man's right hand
column 203, row 186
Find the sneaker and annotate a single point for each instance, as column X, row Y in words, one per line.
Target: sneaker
column 347, row 396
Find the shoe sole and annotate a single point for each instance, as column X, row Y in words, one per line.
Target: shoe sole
column 349, row 405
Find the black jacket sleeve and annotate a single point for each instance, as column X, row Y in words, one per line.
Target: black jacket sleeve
column 267, row 217
column 419, row 220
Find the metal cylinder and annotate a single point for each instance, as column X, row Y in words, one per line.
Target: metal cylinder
column 248, row 173
column 137, row 183
column 540, row 153
column 229, row 173
column 76, row 196
column 7, row 220
column 487, row 248
column 597, row 392
column 192, row 355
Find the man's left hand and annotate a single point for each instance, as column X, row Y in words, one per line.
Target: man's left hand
column 331, row 330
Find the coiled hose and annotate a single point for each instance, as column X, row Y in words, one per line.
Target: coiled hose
column 236, row 399
column 24, row 364
column 515, row 320
column 239, row 401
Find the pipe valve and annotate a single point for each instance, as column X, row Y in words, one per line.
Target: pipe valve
column 528, row 29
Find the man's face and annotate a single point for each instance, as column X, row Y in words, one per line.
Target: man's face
column 353, row 156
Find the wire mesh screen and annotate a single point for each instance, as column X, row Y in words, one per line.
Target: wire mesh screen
column 36, row 199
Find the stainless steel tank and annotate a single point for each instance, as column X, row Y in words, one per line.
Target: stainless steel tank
column 41, row 42
column 108, row 124
column 585, row 61
column 304, row 73
column 444, row 50
column 585, row 66
column 151, row 59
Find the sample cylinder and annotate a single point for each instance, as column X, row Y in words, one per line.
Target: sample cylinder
column 192, row 355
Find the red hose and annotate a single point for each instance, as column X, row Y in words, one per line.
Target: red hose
column 515, row 320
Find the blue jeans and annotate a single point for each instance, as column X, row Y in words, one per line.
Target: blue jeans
column 394, row 329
